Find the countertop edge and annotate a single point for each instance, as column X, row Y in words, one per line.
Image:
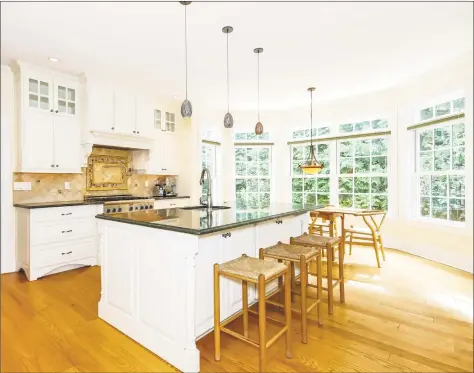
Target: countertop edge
column 33, row 205
column 203, row 232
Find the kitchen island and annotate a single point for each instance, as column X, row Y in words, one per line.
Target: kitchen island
column 157, row 270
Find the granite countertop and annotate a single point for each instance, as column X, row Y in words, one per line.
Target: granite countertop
column 39, row 205
column 199, row 222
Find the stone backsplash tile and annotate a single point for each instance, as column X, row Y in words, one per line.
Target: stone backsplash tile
column 50, row 187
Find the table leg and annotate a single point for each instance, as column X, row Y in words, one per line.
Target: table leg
column 329, row 278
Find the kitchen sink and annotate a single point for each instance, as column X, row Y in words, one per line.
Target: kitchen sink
column 205, row 208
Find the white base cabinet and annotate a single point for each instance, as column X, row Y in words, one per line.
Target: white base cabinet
column 171, row 203
column 157, row 285
column 52, row 240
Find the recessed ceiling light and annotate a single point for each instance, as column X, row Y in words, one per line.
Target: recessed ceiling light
column 54, row 59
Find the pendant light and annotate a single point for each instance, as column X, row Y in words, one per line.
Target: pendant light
column 259, row 125
column 228, row 119
column 311, row 166
column 186, row 107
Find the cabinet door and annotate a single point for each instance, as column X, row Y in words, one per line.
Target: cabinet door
column 100, row 108
column 67, row 144
column 65, row 98
column 240, row 241
column 124, row 113
column 39, row 93
column 163, row 156
column 37, row 144
column 145, row 117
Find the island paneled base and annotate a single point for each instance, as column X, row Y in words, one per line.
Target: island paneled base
column 157, row 284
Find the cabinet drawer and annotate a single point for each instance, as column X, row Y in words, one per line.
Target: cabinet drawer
column 63, row 230
column 45, row 255
column 168, row 204
column 62, row 213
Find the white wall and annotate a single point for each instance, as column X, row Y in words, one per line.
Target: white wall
column 436, row 241
column 7, row 213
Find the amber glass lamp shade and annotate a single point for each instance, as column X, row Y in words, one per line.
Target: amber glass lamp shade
column 311, row 166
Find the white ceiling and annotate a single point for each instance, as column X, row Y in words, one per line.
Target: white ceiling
column 341, row 48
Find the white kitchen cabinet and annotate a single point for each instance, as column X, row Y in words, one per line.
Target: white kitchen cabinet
column 49, row 126
column 124, row 113
column 146, row 116
column 163, row 157
column 100, row 107
column 55, row 239
column 219, row 248
column 171, row 203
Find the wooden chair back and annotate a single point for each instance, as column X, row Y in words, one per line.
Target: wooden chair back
column 374, row 219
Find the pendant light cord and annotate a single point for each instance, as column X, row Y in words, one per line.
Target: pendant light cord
column 186, row 47
column 228, row 72
column 311, row 118
column 258, row 86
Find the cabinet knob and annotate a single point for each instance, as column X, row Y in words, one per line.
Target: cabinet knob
column 57, row 165
column 134, row 131
column 56, row 111
column 138, row 131
column 51, row 110
column 52, row 165
column 113, row 128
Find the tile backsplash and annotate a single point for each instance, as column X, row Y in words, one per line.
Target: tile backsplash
column 50, row 187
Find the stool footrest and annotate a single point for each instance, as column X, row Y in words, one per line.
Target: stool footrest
column 276, row 321
column 276, row 336
column 232, row 318
column 240, row 336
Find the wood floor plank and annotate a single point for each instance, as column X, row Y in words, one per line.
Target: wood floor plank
column 386, row 325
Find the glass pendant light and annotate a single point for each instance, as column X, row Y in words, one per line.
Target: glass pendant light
column 228, row 119
column 311, row 166
column 259, row 125
column 186, row 107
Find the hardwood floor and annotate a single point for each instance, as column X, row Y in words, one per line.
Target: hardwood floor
column 410, row 315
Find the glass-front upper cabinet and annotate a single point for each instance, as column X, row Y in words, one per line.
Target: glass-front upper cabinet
column 40, row 94
column 65, row 99
column 170, row 123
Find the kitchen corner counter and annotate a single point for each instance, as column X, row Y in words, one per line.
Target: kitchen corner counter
column 41, row 205
column 199, row 222
column 166, row 198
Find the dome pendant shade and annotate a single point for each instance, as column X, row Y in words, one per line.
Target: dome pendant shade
column 311, row 166
column 228, row 121
column 259, row 128
column 186, row 109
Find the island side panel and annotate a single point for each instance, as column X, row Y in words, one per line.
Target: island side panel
column 148, row 289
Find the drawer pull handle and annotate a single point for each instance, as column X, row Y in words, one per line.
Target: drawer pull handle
column 69, row 231
column 69, row 252
column 228, row 234
column 172, row 204
column 69, row 213
column 279, row 222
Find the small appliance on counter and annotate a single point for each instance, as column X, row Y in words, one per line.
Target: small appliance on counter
column 158, row 191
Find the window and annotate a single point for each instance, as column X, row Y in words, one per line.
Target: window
column 319, row 130
column 363, row 173
column 363, row 126
column 441, row 174
column 441, row 109
column 208, row 160
column 253, row 177
column 251, row 136
column 312, row 189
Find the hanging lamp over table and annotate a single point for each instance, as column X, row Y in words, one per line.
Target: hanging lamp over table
column 228, row 119
column 311, row 166
column 259, row 125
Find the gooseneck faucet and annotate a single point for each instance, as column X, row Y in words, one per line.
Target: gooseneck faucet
column 208, row 201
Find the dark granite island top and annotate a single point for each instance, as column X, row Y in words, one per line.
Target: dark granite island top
column 199, row 222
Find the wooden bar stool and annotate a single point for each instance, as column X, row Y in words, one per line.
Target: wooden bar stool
column 258, row 272
column 303, row 256
column 331, row 244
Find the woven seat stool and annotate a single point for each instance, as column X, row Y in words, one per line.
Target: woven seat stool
column 331, row 244
column 259, row 272
column 302, row 255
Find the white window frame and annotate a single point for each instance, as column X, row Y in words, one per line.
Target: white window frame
column 269, row 177
column 331, row 145
column 368, row 174
column 419, row 173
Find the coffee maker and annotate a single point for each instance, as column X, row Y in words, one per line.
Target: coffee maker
column 158, row 190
